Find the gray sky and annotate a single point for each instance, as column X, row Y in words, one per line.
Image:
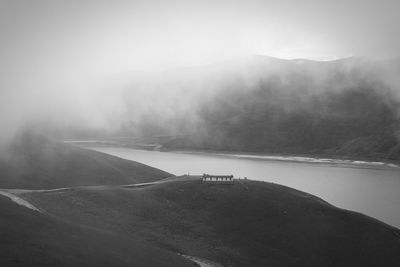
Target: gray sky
column 112, row 36
column 53, row 54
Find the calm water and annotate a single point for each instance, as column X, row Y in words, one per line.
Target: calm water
column 371, row 191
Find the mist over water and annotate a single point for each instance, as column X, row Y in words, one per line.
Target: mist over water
column 84, row 69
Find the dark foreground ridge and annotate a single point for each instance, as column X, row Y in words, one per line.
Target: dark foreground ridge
column 259, row 224
column 29, row 238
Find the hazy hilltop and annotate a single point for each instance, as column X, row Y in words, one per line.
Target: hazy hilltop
column 348, row 107
column 37, row 162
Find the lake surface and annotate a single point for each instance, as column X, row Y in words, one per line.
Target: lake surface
column 371, row 190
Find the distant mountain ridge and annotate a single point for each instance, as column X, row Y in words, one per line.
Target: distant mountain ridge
column 347, row 107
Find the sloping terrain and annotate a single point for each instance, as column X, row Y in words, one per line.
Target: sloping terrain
column 35, row 162
column 247, row 224
column 29, row 238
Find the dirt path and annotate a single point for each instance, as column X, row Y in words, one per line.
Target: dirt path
column 15, row 194
column 202, row 262
column 18, row 200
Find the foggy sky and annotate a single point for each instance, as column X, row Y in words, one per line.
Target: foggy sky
column 56, row 56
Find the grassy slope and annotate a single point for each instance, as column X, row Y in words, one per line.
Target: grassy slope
column 32, row 239
column 266, row 225
column 35, row 162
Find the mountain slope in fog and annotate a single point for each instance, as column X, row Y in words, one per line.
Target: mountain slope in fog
column 245, row 224
column 348, row 107
column 35, row 162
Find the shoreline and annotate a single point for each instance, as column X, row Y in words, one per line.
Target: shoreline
column 282, row 157
column 295, row 159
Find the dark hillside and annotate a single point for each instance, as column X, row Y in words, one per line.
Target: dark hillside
column 32, row 239
column 258, row 224
column 35, row 162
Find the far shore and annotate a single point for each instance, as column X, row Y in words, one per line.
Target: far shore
column 298, row 158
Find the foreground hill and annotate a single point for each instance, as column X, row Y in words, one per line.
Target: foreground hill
column 247, row 224
column 29, row 238
column 35, row 162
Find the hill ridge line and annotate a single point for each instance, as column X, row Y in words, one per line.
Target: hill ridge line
column 14, row 194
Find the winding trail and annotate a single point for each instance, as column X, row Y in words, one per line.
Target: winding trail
column 18, row 200
column 201, row 262
column 15, row 194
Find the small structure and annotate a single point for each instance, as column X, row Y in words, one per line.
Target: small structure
column 217, row 179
